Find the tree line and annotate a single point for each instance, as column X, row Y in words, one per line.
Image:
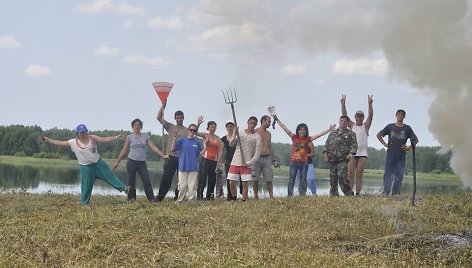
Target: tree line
column 22, row 141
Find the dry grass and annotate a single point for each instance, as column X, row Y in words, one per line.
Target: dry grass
column 55, row 230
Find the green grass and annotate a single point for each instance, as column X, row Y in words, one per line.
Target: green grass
column 368, row 231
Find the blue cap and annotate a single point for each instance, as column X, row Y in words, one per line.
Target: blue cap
column 81, row 128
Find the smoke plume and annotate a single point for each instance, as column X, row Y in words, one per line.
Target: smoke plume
column 427, row 43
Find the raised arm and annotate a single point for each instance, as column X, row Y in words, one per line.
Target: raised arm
column 55, row 142
column 122, row 154
column 284, row 127
column 160, row 114
column 324, row 132
column 344, row 110
column 368, row 121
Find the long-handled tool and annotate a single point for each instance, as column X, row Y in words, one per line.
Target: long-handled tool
column 414, row 175
column 231, row 98
column 162, row 90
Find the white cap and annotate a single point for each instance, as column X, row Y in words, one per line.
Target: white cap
column 229, row 122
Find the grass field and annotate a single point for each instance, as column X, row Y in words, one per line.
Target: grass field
column 56, row 231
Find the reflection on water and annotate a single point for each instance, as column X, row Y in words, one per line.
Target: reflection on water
column 49, row 179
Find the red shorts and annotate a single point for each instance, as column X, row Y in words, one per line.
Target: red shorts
column 239, row 170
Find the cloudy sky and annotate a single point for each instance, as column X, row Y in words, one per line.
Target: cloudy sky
column 68, row 62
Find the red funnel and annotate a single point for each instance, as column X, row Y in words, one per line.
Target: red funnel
column 162, row 89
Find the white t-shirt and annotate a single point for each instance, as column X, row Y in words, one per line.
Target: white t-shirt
column 362, row 135
column 251, row 144
column 86, row 153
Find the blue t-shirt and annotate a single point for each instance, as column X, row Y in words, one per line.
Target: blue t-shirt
column 189, row 152
column 397, row 136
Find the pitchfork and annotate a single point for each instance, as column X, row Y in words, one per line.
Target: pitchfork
column 231, row 98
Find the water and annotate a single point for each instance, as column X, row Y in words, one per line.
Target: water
column 47, row 179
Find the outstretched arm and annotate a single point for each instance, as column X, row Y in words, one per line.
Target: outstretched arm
column 284, row 127
column 368, row 121
column 110, row 138
column 122, row 154
column 55, row 142
column 324, row 132
column 156, row 149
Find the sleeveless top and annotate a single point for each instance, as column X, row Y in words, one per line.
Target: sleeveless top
column 362, row 135
column 86, row 153
column 211, row 152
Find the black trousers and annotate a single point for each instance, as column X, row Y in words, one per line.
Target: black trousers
column 170, row 167
column 207, row 171
column 140, row 167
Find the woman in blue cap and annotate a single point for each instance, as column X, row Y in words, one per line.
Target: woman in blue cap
column 91, row 166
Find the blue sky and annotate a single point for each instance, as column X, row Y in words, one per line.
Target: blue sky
column 68, row 62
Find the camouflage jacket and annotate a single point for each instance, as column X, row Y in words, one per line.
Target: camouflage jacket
column 339, row 144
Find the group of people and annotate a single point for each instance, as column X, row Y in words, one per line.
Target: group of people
column 245, row 155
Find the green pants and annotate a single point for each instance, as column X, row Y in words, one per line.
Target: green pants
column 338, row 174
column 99, row 170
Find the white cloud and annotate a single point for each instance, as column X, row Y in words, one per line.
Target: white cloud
column 292, row 69
column 362, row 66
column 105, row 51
column 102, row 6
column 127, row 9
column 99, row 6
column 156, row 61
column 37, row 71
column 162, row 23
column 9, row 41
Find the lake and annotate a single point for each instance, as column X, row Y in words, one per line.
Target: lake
column 65, row 180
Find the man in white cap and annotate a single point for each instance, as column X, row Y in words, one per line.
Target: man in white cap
column 357, row 164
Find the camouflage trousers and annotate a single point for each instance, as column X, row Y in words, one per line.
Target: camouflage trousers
column 338, row 174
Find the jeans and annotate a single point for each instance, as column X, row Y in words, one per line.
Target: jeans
column 296, row 167
column 140, row 167
column 394, row 168
column 310, row 177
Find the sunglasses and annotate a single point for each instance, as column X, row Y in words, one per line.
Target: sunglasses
column 192, row 130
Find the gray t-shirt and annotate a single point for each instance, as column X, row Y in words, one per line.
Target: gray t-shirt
column 137, row 147
column 171, row 130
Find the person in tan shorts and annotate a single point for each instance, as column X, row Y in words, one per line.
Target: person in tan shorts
column 266, row 159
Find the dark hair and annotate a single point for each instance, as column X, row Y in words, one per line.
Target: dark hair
column 253, row 118
column 302, row 125
column 192, row 125
column 210, row 123
column 345, row 117
column 137, row 120
column 264, row 118
column 400, row 111
column 178, row 113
